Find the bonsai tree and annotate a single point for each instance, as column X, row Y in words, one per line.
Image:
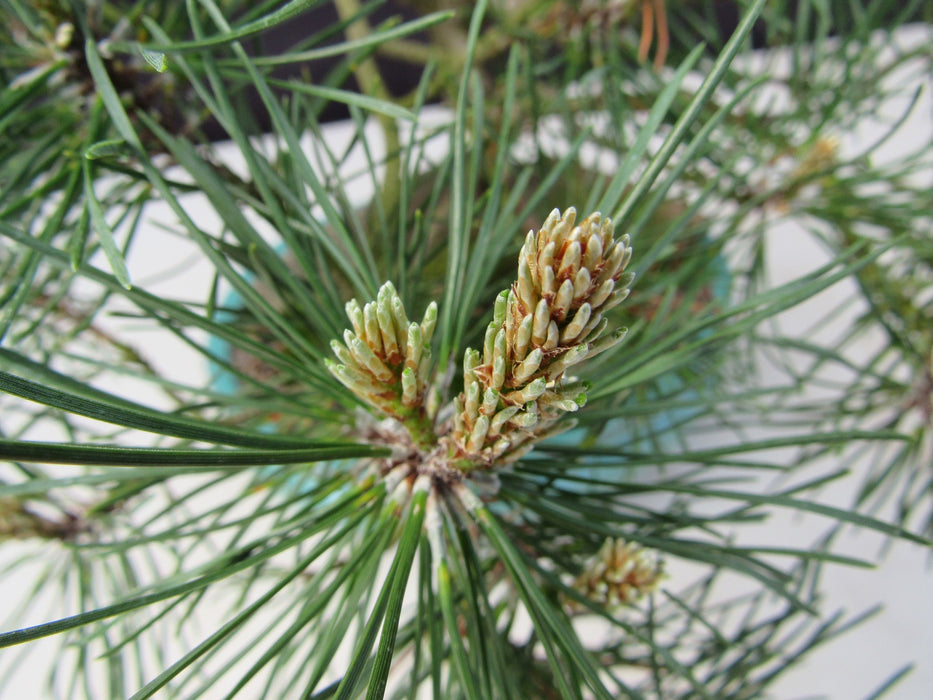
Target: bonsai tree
column 474, row 398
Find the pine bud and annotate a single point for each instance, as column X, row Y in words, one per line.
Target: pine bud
column 385, row 359
column 551, row 319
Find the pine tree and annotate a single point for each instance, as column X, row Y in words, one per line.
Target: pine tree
column 514, row 496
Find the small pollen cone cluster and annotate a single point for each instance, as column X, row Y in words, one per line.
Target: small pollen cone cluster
column 621, row 573
column 385, row 359
column 551, row 319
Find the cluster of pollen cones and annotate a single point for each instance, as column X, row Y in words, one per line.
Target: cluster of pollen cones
column 551, row 319
column 516, row 387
